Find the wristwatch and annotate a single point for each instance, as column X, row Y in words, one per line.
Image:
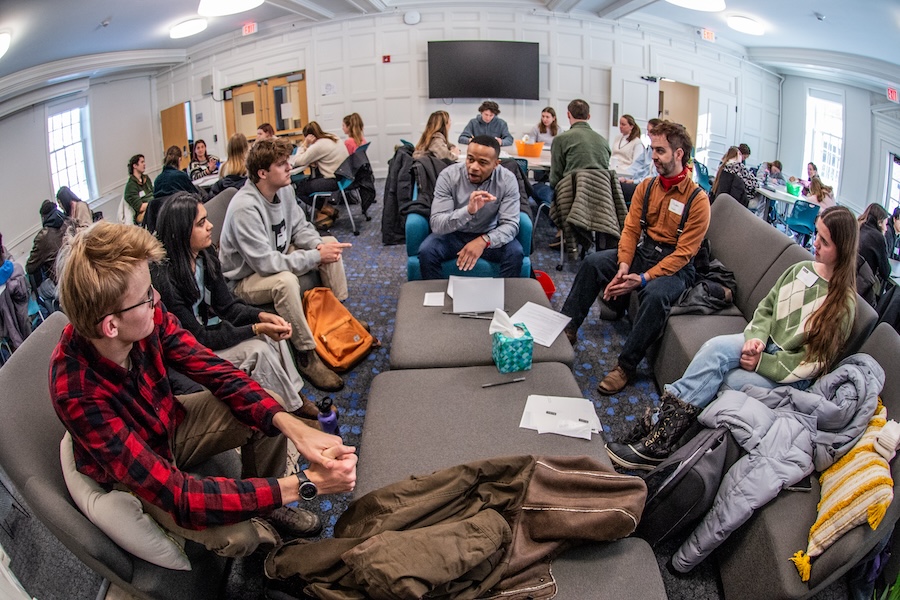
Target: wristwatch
column 486, row 239
column 308, row 489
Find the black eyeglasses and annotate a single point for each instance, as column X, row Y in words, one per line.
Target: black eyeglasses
column 151, row 300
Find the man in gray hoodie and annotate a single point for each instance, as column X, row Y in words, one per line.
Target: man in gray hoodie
column 267, row 243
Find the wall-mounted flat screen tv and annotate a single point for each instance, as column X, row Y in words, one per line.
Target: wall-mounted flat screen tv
column 483, row 69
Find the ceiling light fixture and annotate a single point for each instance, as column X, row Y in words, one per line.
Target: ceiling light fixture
column 5, row 39
column 220, row 8
column 702, row 5
column 187, row 28
column 746, row 25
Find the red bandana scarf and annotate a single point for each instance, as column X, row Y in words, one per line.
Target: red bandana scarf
column 668, row 182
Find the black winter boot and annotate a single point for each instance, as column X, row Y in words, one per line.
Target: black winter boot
column 675, row 417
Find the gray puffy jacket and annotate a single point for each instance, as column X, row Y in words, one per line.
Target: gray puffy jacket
column 787, row 433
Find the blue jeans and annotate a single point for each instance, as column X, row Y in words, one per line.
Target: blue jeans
column 656, row 299
column 717, row 366
column 438, row 248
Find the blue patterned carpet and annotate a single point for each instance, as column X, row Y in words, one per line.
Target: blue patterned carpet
column 375, row 273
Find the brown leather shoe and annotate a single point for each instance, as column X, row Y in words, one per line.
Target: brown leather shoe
column 614, row 382
column 572, row 335
column 317, row 373
column 308, row 411
column 295, row 522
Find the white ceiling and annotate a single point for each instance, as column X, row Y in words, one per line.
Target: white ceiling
column 856, row 42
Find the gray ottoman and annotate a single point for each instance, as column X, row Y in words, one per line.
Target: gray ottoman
column 425, row 338
column 422, row 420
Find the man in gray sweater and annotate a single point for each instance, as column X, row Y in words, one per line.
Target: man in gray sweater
column 267, row 243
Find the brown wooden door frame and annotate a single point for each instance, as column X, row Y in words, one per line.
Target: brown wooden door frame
column 174, row 131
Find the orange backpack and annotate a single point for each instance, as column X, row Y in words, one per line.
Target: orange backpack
column 341, row 341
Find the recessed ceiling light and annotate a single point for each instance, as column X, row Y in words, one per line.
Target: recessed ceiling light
column 187, row 28
column 5, row 39
column 746, row 25
column 704, row 5
column 220, row 8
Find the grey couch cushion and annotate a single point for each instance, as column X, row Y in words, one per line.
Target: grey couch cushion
column 425, row 338
column 421, row 420
column 745, row 244
column 754, row 560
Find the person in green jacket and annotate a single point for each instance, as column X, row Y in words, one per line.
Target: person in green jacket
column 138, row 188
column 796, row 334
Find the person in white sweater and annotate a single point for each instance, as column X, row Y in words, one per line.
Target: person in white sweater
column 627, row 146
column 267, row 243
column 325, row 152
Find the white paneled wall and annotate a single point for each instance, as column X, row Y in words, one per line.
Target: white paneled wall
column 576, row 55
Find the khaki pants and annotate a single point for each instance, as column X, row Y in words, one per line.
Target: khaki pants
column 285, row 292
column 209, row 429
column 271, row 365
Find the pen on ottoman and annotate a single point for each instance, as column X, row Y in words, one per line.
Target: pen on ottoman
column 516, row 380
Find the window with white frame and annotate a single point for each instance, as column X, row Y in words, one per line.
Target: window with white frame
column 825, row 134
column 67, row 142
column 893, row 183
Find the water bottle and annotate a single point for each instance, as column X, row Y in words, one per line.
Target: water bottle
column 328, row 416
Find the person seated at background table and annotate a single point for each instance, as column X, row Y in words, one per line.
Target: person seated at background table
column 819, row 193
column 474, row 214
column 202, row 164
column 772, row 173
column 433, row 141
column 138, row 188
column 264, row 132
column 109, row 387
column 41, row 264
column 627, row 146
column 653, row 258
column 192, row 286
column 352, row 126
column 74, row 207
column 487, row 123
column 891, row 233
column 811, row 171
column 728, row 178
column 172, row 179
column 873, row 223
column 547, row 128
column 796, row 334
column 233, row 174
column 267, row 243
column 641, row 168
column 745, row 153
column 325, row 152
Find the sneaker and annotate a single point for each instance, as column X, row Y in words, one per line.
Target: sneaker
column 295, row 522
column 317, row 373
column 627, row 456
column 614, row 382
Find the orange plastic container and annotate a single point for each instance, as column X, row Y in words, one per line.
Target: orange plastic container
column 526, row 150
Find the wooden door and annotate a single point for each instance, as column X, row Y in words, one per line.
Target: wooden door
column 245, row 109
column 287, row 103
column 175, row 130
column 716, row 127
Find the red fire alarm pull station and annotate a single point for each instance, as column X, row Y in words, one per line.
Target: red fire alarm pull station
column 386, row 58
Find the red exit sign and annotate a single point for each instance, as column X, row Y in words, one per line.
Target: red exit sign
column 708, row 35
column 249, row 29
column 892, row 95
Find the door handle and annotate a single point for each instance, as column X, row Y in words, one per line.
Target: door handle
column 615, row 114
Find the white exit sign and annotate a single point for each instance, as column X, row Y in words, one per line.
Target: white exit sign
column 708, row 35
column 249, row 28
column 892, row 95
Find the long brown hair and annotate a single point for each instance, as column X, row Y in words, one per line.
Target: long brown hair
column 312, row 128
column 635, row 129
column 554, row 126
column 825, row 337
column 437, row 123
column 819, row 189
column 354, row 125
column 238, row 147
column 732, row 152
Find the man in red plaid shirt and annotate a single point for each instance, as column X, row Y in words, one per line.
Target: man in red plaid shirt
column 108, row 381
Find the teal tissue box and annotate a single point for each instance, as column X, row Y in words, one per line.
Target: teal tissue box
column 512, row 354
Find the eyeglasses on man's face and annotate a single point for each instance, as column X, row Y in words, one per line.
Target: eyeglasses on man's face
column 151, row 300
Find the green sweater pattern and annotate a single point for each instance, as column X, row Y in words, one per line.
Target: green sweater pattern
column 782, row 318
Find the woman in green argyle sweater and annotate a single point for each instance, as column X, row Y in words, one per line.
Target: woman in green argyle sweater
column 795, row 335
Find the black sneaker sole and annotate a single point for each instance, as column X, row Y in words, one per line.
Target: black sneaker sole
column 630, row 465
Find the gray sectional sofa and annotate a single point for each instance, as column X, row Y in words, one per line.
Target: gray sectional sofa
column 758, row 254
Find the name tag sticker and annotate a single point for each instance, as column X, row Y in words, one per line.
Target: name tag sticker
column 676, row 207
column 141, row 194
column 807, row 277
